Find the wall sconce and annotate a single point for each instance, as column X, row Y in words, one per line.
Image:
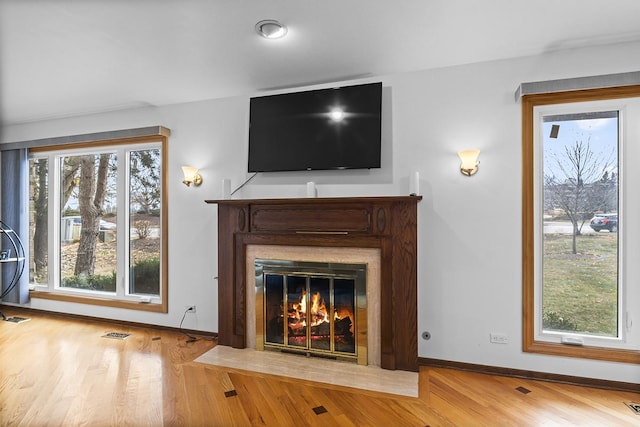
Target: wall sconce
column 191, row 176
column 469, row 161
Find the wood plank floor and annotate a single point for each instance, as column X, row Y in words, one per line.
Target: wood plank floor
column 56, row 371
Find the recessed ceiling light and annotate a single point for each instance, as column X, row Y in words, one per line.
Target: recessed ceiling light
column 271, row 29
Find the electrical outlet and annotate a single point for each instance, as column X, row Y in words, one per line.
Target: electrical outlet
column 498, row 338
column 190, row 308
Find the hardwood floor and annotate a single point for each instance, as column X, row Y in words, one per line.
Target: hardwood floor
column 57, row 371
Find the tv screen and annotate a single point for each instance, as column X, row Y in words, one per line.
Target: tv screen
column 338, row 128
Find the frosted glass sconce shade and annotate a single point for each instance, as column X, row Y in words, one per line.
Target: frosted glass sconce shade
column 191, row 176
column 469, row 161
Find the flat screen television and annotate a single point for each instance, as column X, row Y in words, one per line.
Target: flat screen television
column 337, row 128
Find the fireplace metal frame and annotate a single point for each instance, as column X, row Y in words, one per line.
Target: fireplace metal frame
column 357, row 272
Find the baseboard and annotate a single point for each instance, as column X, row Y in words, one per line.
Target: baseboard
column 25, row 310
column 531, row 375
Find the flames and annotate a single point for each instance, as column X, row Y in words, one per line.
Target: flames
column 318, row 314
column 318, row 310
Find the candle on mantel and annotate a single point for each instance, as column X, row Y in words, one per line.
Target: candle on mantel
column 414, row 183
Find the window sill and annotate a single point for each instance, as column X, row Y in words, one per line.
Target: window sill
column 105, row 302
column 583, row 352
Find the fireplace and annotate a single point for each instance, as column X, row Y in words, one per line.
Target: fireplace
column 386, row 225
column 312, row 308
column 369, row 257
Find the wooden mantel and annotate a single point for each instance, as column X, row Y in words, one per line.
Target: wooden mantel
column 387, row 223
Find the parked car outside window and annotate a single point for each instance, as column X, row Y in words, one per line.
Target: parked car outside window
column 605, row 222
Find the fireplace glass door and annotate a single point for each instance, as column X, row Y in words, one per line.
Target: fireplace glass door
column 311, row 308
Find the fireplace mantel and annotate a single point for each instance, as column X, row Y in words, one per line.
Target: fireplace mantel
column 387, row 223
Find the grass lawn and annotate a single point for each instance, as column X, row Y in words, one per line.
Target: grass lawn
column 580, row 291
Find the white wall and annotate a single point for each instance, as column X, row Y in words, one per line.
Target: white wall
column 469, row 228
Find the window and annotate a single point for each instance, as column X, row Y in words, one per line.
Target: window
column 580, row 287
column 98, row 223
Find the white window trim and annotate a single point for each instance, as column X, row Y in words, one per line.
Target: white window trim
column 622, row 341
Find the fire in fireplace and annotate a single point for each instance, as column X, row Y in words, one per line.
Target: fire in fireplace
column 312, row 308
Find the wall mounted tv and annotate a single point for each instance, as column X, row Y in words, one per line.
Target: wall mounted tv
column 337, row 128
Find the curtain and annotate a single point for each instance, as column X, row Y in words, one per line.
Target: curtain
column 14, row 199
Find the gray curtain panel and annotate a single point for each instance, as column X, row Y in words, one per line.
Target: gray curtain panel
column 14, row 213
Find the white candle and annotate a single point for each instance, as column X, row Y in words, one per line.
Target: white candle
column 226, row 188
column 311, row 189
column 414, row 183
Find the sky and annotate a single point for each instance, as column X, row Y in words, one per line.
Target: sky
column 600, row 133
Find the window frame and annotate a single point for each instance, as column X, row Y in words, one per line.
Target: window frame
column 529, row 124
column 53, row 292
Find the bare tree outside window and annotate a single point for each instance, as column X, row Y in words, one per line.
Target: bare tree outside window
column 145, row 180
column 579, row 182
column 144, row 213
column 39, row 196
column 91, row 196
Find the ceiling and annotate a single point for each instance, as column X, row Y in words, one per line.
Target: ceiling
column 61, row 58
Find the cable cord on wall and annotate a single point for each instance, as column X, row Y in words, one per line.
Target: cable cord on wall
column 243, row 184
column 190, row 338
